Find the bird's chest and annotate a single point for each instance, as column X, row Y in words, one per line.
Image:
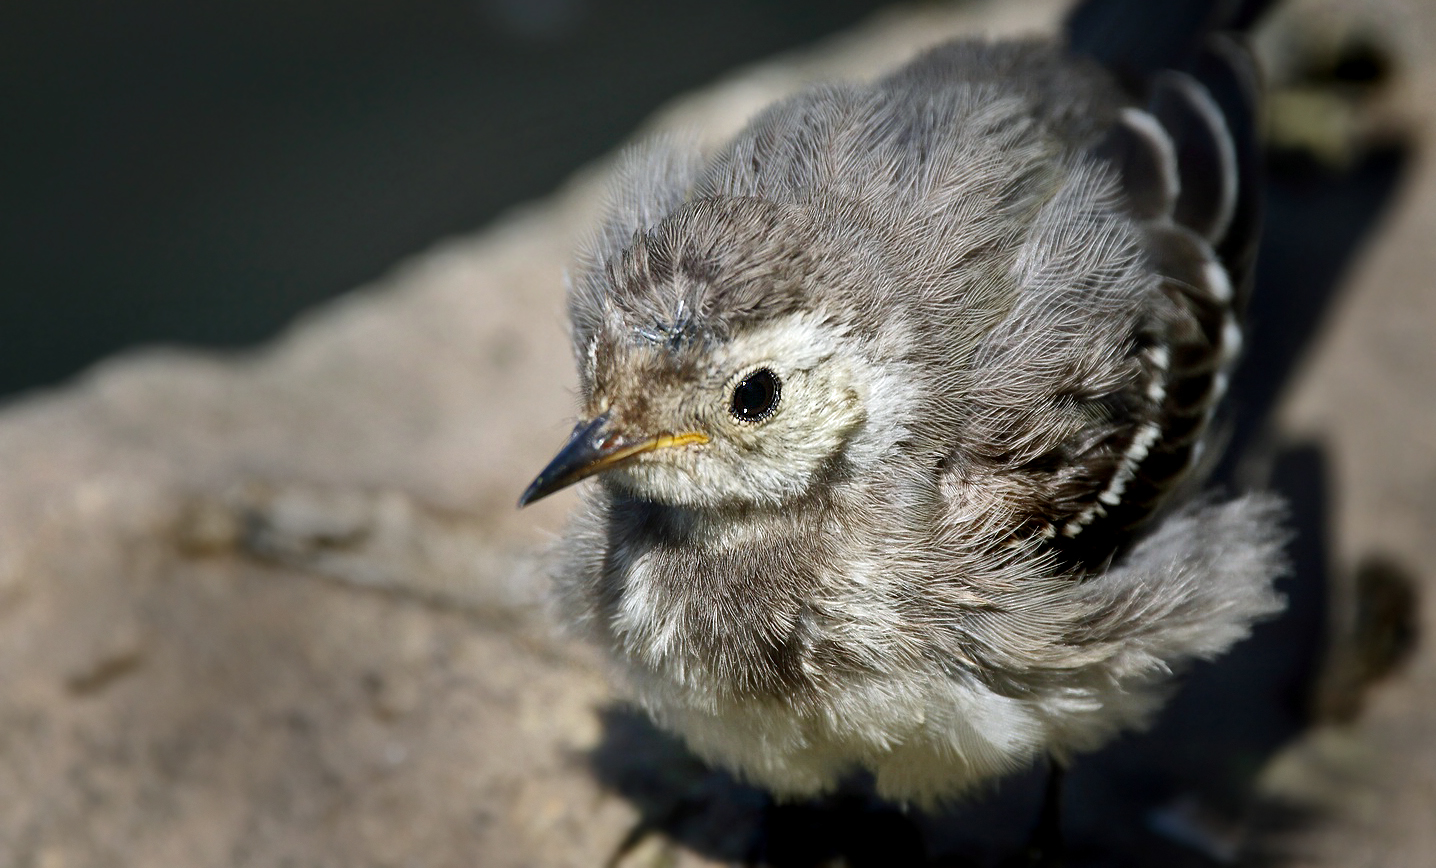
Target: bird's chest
column 733, row 606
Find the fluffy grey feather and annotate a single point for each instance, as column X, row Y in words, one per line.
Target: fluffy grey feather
column 888, row 399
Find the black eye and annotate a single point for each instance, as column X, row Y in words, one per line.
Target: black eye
column 756, row 397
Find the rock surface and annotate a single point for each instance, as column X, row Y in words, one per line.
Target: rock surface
column 277, row 608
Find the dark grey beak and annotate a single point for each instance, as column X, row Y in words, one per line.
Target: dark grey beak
column 593, row 447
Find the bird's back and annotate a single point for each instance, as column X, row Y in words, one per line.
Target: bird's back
column 1073, row 252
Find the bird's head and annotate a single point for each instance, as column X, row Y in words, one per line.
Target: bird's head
column 717, row 367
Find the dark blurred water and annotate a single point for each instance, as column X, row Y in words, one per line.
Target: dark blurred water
column 199, row 171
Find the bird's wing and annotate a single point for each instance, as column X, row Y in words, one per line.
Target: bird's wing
column 1187, row 159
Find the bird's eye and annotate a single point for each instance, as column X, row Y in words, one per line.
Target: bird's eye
column 756, row 397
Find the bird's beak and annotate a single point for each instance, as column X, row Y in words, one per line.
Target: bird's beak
column 595, row 446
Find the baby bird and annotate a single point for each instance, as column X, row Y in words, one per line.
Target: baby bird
column 894, row 404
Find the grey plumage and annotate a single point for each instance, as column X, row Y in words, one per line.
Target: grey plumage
column 895, row 400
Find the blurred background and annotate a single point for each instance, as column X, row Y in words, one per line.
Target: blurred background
column 199, row 171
